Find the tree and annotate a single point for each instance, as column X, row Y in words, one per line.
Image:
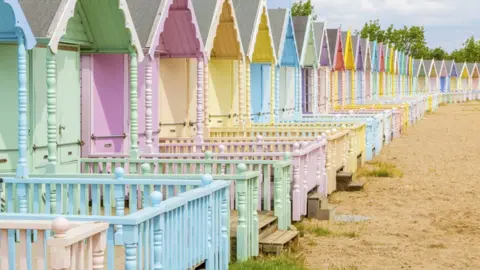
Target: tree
column 438, row 53
column 301, row 8
column 410, row 40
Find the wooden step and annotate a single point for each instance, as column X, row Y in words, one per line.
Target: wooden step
column 343, row 180
column 357, row 186
column 267, row 224
column 277, row 241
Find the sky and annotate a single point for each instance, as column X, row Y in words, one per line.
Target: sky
column 448, row 23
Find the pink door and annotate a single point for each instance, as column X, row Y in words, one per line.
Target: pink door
column 105, row 107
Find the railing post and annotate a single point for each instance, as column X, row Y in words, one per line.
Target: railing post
column 158, row 231
column 258, row 144
column 119, row 204
column 99, row 245
column 296, row 194
column 130, row 241
column 225, row 239
column 60, row 257
column 208, row 162
column 221, row 149
column 146, row 170
column 206, row 180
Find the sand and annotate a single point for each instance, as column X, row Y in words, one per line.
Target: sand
column 429, row 218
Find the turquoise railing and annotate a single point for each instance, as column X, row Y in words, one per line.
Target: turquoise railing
column 180, row 232
column 280, row 171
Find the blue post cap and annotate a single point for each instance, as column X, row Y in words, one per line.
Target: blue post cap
column 119, row 172
column 156, row 198
column 207, row 179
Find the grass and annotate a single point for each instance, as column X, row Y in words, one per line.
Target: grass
column 293, row 259
column 379, row 169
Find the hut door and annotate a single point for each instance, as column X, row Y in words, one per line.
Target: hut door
column 68, row 110
column 266, row 82
column 260, row 91
column 38, row 105
column 442, row 84
column 109, row 106
column 8, row 107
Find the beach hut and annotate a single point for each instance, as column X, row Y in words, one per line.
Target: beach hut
column 452, row 75
column 375, row 78
column 257, row 40
column 337, row 76
column 287, row 87
column 463, row 84
column 366, row 59
column 474, row 75
column 382, row 69
column 442, row 74
column 76, row 93
column 358, row 81
column 306, row 48
column 224, row 99
column 170, row 79
column 391, row 71
column 432, row 75
column 419, row 76
column 324, row 66
column 349, row 59
column 15, row 39
column 411, row 61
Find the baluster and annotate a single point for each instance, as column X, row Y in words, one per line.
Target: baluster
column 99, row 245
column 119, row 204
column 241, row 92
column 205, row 93
column 296, row 182
column 200, row 95
column 148, row 106
column 157, row 198
column 221, row 148
column 306, row 176
column 130, row 241
column 133, row 105
column 22, row 167
column 51, row 111
column 60, row 256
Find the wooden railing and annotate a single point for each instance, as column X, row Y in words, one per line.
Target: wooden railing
column 180, row 229
column 276, row 166
column 24, row 244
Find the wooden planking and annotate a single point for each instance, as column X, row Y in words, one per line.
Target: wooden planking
column 265, row 218
column 226, row 44
column 277, row 241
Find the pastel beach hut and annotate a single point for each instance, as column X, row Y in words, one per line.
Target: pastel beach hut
column 452, row 75
column 16, row 38
column 324, row 66
column 375, row 71
column 223, row 94
column 306, row 48
column 420, row 76
column 391, row 71
column 464, row 81
column 287, row 88
column 366, row 59
column 349, row 59
column 410, row 75
column 382, row 69
column 257, row 41
column 75, row 82
column 432, row 75
column 170, row 88
column 474, row 75
column 442, row 75
column 337, row 75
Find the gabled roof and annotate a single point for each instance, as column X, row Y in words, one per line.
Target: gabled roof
column 249, row 14
column 13, row 18
column 281, row 25
column 419, row 68
column 49, row 20
column 429, row 66
column 440, row 66
column 332, row 35
column 321, row 29
column 464, row 69
column 209, row 18
column 300, row 24
column 451, row 68
column 150, row 18
column 471, row 67
column 374, row 53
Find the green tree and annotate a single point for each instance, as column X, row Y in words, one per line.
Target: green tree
column 302, row 8
column 438, row 53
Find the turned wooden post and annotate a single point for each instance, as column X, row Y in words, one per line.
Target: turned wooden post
column 60, row 257
column 148, row 106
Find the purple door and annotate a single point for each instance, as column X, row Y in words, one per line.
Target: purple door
column 109, row 110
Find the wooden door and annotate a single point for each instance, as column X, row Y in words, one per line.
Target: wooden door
column 8, row 109
column 68, row 110
column 38, row 113
column 266, row 90
column 109, row 106
column 256, row 90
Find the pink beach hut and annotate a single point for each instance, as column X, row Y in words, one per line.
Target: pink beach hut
column 170, row 89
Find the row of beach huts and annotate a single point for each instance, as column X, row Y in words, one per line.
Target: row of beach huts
column 184, row 134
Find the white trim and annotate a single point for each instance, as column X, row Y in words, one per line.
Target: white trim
column 66, row 11
column 212, row 32
column 262, row 8
column 283, row 36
